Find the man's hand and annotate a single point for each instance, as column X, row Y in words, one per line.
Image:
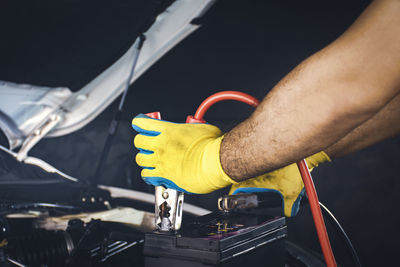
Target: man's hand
column 285, row 181
column 180, row 156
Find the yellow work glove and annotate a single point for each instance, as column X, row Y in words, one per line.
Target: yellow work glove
column 285, row 181
column 180, row 156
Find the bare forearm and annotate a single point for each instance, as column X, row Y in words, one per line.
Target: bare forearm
column 385, row 124
column 323, row 99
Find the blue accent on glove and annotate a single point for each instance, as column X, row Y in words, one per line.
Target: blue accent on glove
column 146, row 133
column 296, row 204
column 149, row 168
column 143, row 131
column 145, row 151
column 158, row 181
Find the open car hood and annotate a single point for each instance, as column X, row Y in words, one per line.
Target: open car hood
column 29, row 113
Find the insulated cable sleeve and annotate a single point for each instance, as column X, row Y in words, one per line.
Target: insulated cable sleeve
column 302, row 165
column 316, row 213
column 224, row 95
column 117, row 116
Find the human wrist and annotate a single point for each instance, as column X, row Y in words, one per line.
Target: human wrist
column 215, row 173
column 231, row 159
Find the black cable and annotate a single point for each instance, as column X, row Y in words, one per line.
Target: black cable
column 331, row 218
column 117, row 117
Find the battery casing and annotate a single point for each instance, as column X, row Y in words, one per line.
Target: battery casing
column 219, row 239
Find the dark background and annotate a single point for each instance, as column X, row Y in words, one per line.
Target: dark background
column 243, row 45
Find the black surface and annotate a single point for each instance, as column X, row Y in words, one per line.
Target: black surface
column 96, row 243
column 248, row 46
column 270, row 255
column 68, row 42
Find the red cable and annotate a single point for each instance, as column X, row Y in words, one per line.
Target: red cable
column 302, row 165
column 316, row 213
column 224, row 95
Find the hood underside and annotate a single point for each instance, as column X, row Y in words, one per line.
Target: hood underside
column 69, row 60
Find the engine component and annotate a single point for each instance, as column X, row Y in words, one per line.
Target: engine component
column 78, row 197
column 143, row 221
column 91, row 244
column 40, row 247
column 100, row 242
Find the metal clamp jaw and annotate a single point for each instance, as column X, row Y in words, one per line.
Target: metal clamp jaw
column 168, row 209
column 168, row 202
column 237, row 202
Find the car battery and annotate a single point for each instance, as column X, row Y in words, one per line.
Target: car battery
column 220, row 239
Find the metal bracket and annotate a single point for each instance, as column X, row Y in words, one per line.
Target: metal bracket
column 237, row 202
column 39, row 133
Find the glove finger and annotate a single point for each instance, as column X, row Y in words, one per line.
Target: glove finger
column 314, row 160
column 146, row 160
column 233, row 188
column 291, row 206
column 148, row 172
column 145, row 143
column 148, row 178
column 257, row 184
column 148, row 126
column 158, row 181
column 249, row 190
column 238, row 190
